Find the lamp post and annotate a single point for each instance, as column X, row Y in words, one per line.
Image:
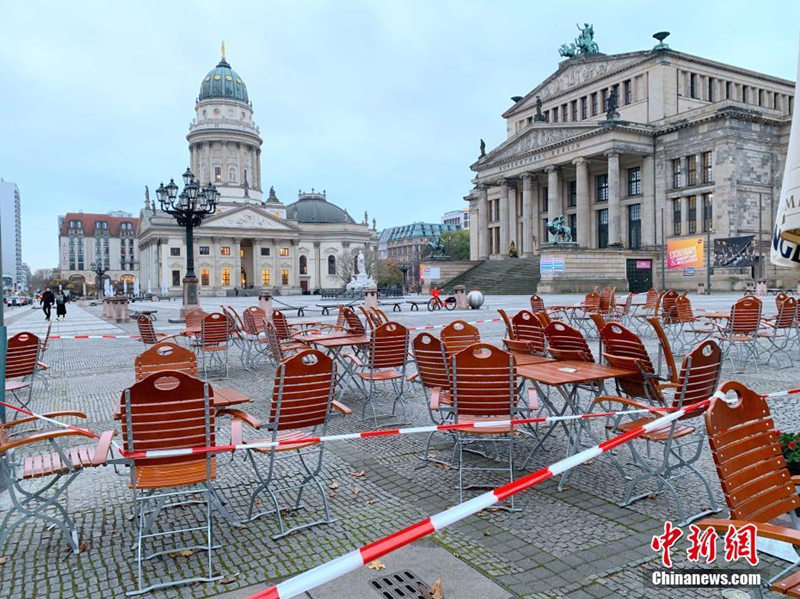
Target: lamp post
column 189, row 208
column 99, row 269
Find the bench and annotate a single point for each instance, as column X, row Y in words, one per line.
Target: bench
column 415, row 304
column 395, row 305
column 284, row 307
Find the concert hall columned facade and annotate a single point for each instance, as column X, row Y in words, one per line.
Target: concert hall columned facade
column 696, row 142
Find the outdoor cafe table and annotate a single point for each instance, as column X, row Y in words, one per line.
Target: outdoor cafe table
column 568, row 377
column 334, row 344
column 224, row 397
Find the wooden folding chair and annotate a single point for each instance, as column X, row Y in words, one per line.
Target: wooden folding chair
column 56, row 470
column 384, row 361
column 434, row 375
column 484, row 389
column 379, row 315
column 193, row 323
column 650, row 309
column 680, row 444
column 526, row 334
column 302, row 398
column 757, row 485
column 459, row 335
column 664, row 351
column 22, row 354
column 255, row 336
column 667, row 302
column 566, row 343
column 212, row 343
column 781, row 330
column 41, row 367
column 352, row 322
column 280, row 350
column 537, row 304
column 170, row 410
column 741, row 331
column 148, row 334
column 369, row 318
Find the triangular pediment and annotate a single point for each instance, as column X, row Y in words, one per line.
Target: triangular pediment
column 534, row 137
column 575, row 72
column 248, row 217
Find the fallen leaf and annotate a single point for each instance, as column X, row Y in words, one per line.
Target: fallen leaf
column 371, row 501
column 182, row 553
column 334, row 485
column 493, row 509
column 432, row 454
column 83, row 546
column 376, row 565
column 257, row 501
column 652, row 496
column 588, row 462
column 442, row 466
column 436, row 589
column 356, row 491
column 3, row 559
column 332, row 494
column 228, row 580
column 487, row 533
column 358, row 474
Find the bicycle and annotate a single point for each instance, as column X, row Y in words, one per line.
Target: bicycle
column 436, row 303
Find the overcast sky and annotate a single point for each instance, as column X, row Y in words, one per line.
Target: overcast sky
column 381, row 103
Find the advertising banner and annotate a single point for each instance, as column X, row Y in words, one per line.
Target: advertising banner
column 685, row 253
column 733, row 252
column 429, row 273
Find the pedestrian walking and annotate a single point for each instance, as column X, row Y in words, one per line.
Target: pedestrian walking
column 61, row 305
column 47, row 302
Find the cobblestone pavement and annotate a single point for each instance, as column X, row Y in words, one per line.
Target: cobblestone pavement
column 574, row 543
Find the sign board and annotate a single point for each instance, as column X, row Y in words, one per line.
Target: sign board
column 688, row 272
column 429, row 273
column 685, row 253
column 552, row 265
column 735, row 252
column 644, row 264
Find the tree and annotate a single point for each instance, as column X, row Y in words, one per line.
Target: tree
column 45, row 277
column 456, row 244
column 388, row 273
column 345, row 268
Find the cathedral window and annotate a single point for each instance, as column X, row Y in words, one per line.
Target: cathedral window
column 303, row 265
column 634, row 181
column 265, row 277
column 232, row 175
column 331, row 265
column 174, row 251
column 283, row 252
column 176, row 278
column 226, row 277
column 204, row 250
column 204, row 277
column 225, row 250
column 217, row 174
column 265, row 251
column 284, row 276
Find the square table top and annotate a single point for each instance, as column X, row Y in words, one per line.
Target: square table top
column 333, row 339
column 568, row 372
column 528, row 359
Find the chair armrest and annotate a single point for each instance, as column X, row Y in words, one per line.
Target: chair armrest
column 436, row 393
column 48, row 415
column 163, row 336
column 769, row 531
column 796, row 479
column 240, row 415
column 43, row 436
column 339, row 406
column 354, row 359
column 533, row 398
column 103, row 447
column 667, row 385
column 626, row 401
column 413, row 377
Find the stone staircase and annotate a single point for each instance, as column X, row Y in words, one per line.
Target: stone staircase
column 511, row 276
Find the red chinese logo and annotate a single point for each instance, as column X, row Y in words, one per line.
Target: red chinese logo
column 665, row 542
column 741, row 543
column 703, row 544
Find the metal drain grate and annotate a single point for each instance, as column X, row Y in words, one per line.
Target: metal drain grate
column 400, row 585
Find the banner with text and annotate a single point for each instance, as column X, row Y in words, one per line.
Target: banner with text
column 685, row 253
column 735, row 252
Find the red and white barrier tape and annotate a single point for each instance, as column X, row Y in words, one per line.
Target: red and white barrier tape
column 355, row 559
column 51, row 420
column 777, row 394
column 392, row 432
column 441, row 326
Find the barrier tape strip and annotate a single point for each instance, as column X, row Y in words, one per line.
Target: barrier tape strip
column 51, row 420
column 355, row 559
column 393, row 432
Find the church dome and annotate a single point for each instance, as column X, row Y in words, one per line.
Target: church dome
column 223, row 82
column 314, row 208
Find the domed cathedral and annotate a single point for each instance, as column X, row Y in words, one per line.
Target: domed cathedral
column 252, row 241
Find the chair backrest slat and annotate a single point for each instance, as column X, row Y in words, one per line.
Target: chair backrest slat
column 22, row 355
column 214, row 329
column 353, row 322
column 566, row 343
column 748, row 456
column 624, row 348
column 164, row 356
column 527, row 327
column 683, row 310
column 432, row 363
column 275, row 348
column 146, row 330
column 699, row 374
column 787, row 313
column 302, row 391
column 459, row 335
column 483, row 382
column 537, row 304
column 388, row 347
column 194, row 318
column 745, row 316
column 254, row 320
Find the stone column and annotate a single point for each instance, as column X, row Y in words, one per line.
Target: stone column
column 474, row 230
column 583, row 210
column 553, row 193
column 513, row 217
column 684, row 215
column 236, row 275
column 648, row 216
column 318, row 269
column 614, row 206
column 504, row 232
column 525, row 244
column 483, row 224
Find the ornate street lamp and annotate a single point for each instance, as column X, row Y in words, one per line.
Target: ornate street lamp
column 189, row 208
column 99, row 269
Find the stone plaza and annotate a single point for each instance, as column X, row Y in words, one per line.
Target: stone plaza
column 574, row 543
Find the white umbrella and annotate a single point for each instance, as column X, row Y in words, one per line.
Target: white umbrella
column 785, row 248
column 164, row 286
column 125, row 286
column 84, row 288
column 149, row 288
column 136, row 287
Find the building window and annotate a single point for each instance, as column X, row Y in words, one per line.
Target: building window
column 225, row 251
column 265, row 251
column 634, row 181
column 677, row 166
column 543, row 199
column 564, row 113
column 574, row 110
column 711, row 89
column 635, row 226
column 284, row 276
column 205, row 250
column 692, row 204
column 174, row 251
column 241, row 253
column 708, row 212
column 176, row 278
column 691, row 170
column 555, row 115
column 727, row 90
column 584, row 111
column 573, row 194
column 627, row 92
column 217, row 174
column 604, row 99
column 602, row 228
column 676, row 216
column 265, row 276
column 204, row 277
column 594, row 103
column 283, row 252
column 601, row 187
column 545, row 232
column 692, row 85
column 572, row 220
column 303, row 265
column 707, row 173
column 226, row 277
column 331, row 265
